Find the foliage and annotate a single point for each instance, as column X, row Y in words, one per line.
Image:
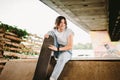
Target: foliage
column 21, row 33
column 11, row 57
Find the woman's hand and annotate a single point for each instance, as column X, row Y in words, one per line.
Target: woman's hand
column 52, row 48
column 46, row 36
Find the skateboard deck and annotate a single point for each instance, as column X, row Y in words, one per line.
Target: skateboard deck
column 41, row 71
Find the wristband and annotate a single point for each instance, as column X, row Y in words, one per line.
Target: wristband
column 58, row 49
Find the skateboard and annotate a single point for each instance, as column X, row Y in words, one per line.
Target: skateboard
column 44, row 60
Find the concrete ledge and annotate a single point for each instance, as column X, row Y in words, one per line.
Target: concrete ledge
column 74, row 70
column 19, row 70
column 95, row 58
column 91, row 70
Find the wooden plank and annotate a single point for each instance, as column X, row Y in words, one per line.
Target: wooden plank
column 2, row 30
column 13, row 38
column 1, row 34
column 3, row 61
column 44, row 60
column 13, row 44
column 18, row 55
column 10, row 33
column 12, row 49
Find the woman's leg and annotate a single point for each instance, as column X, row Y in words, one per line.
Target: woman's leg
column 63, row 58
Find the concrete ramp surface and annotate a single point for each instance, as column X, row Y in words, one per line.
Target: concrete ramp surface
column 19, row 70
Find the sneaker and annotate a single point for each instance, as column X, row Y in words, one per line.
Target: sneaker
column 52, row 78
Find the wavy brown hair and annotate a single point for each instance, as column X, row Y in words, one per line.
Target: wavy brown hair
column 58, row 21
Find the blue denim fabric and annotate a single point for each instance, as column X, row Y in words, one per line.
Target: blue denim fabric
column 56, row 53
column 62, row 58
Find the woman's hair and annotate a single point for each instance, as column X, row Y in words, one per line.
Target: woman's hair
column 58, row 21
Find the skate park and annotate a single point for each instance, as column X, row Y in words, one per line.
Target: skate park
column 101, row 19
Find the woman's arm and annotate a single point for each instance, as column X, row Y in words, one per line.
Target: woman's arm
column 69, row 44
column 67, row 47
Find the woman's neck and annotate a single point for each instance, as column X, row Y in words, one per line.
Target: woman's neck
column 61, row 30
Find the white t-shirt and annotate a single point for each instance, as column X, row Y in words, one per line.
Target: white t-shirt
column 61, row 36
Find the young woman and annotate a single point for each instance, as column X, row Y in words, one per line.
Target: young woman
column 63, row 42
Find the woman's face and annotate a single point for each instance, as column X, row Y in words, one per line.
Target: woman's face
column 62, row 24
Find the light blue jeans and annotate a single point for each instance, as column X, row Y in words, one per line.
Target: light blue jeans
column 63, row 58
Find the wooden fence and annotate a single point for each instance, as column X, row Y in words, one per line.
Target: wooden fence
column 11, row 44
